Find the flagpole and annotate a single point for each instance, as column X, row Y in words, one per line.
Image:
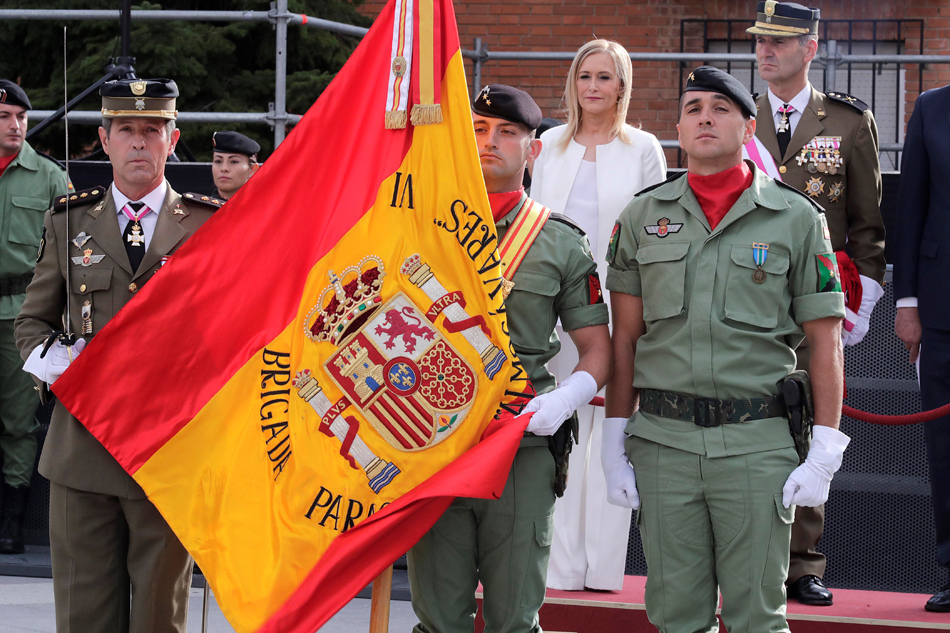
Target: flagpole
column 379, row 609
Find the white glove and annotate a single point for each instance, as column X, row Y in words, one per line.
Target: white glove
column 861, row 322
column 556, row 406
column 621, row 480
column 808, row 485
column 54, row 363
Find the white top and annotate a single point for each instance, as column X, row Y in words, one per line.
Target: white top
column 799, row 102
column 582, row 203
column 153, row 200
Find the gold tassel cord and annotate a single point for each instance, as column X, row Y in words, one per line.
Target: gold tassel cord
column 396, row 119
column 426, row 114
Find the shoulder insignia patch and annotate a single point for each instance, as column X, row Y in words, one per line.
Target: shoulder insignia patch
column 563, row 219
column 612, row 245
column 848, row 100
column 660, row 184
column 203, row 200
column 828, row 278
column 662, row 228
column 593, row 286
column 39, row 255
column 77, row 198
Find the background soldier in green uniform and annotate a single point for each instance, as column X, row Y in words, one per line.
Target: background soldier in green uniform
column 714, row 277
column 505, row 543
column 826, row 145
column 28, row 184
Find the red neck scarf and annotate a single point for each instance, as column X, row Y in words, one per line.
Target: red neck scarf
column 718, row 192
column 5, row 162
column 502, row 203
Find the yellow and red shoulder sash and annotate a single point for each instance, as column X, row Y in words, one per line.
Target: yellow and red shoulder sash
column 517, row 242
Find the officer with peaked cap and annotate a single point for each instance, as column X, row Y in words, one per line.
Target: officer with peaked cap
column 714, row 278
column 234, row 162
column 825, row 145
column 106, row 537
column 29, row 182
column 505, row 543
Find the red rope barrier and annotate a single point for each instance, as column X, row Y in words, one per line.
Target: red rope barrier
column 864, row 416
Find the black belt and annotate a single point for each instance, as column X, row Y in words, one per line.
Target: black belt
column 710, row 412
column 15, row 285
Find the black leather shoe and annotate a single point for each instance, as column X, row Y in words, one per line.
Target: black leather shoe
column 940, row 601
column 810, row 590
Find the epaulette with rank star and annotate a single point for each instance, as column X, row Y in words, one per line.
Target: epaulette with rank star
column 660, row 184
column 80, row 197
column 563, row 219
column 848, row 100
column 208, row 201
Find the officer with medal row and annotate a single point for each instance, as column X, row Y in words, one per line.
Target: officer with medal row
column 825, row 145
column 106, row 537
column 706, row 315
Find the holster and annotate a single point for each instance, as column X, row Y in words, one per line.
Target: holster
column 796, row 389
column 561, row 444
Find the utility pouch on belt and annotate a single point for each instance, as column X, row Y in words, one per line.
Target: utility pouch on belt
column 796, row 389
column 560, row 444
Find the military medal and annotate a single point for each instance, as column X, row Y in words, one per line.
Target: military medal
column 136, row 237
column 814, row 187
column 783, row 125
column 760, row 252
column 835, row 192
column 87, row 316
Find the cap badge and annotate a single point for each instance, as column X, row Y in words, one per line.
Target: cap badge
column 769, row 10
column 138, row 88
column 3, row 95
column 483, row 95
column 692, row 77
column 140, row 104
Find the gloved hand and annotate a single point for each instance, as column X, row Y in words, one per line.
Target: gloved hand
column 870, row 295
column 621, row 480
column 554, row 407
column 52, row 365
column 808, row 485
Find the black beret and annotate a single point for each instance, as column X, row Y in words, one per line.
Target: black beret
column 784, row 19
column 12, row 94
column 499, row 101
column 711, row 79
column 154, row 98
column 234, row 143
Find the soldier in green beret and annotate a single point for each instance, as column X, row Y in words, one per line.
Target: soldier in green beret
column 825, row 145
column 29, row 181
column 715, row 276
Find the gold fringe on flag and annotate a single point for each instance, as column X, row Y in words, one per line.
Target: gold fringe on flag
column 396, row 119
column 425, row 114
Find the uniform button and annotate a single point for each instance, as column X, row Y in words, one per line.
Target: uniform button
column 783, row 169
column 133, row 287
column 82, row 288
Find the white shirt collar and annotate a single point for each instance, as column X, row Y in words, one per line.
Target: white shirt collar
column 799, row 101
column 154, row 199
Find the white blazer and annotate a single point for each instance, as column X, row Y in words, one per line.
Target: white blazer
column 623, row 169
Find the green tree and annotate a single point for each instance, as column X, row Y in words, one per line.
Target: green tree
column 219, row 66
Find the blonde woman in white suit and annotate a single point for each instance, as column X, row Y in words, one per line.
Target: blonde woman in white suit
column 589, row 169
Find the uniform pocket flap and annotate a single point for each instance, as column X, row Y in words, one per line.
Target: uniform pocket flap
column 667, row 252
column 787, row 515
column 536, row 283
column 544, row 531
column 30, row 202
column 776, row 262
column 86, row 280
column 928, row 248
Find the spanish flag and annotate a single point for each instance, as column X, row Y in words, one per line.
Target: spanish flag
column 299, row 387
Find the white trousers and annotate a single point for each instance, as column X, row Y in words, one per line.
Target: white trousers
column 590, row 535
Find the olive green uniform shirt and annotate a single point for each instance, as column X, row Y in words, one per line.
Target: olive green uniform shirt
column 28, row 187
column 711, row 330
column 553, row 281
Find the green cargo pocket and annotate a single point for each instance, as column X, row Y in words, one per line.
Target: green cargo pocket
column 758, row 304
column 776, row 560
column 534, row 294
column 663, row 279
column 532, row 595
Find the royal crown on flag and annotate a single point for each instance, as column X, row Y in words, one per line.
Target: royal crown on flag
column 353, row 296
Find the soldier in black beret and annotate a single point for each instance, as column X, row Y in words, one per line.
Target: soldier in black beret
column 106, row 537
column 234, row 162
column 826, row 145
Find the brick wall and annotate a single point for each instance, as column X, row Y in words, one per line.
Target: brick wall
column 653, row 26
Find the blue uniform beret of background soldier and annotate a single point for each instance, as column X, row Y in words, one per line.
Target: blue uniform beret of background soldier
column 146, row 98
column 12, row 94
column 499, row 101
column 711, row 79
column 784, row 19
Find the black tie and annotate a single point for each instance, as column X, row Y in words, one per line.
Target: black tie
column 135, row 250
column 784, row 136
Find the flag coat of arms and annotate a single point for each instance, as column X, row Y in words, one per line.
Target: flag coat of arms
column 298, row 389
